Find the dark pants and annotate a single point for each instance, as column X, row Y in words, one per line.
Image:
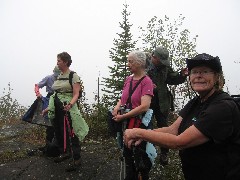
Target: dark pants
column 59, row 132
column 160, row 117
column 49, row 134
column 137, row 161
column 49, row 129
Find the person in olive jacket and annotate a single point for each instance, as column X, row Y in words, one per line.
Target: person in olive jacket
column 162, row 75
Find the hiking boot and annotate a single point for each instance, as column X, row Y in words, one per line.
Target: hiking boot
column 73, row 167
column 163, row 159
column 61, row 158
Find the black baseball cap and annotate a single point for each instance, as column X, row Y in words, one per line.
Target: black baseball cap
column 204, row 60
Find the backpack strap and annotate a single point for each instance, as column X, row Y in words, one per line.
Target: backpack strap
column 71, row 77
column 64, row 79
column 70, row 81
column 131, row 91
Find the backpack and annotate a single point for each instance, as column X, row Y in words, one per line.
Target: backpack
column 81, row 84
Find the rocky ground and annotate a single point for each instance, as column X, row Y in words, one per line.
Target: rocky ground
column 100, row 159
column 95, row 165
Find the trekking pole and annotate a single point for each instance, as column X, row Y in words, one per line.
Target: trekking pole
column 70, row 135
column 123, row 163
column 138, row 161
column 122, row 168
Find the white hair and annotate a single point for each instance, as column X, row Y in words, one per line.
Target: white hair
column 139, row 56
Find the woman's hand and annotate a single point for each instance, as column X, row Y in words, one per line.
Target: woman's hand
column 115, row 111
column 116, row 108
column 118, row 117
column 67, row 107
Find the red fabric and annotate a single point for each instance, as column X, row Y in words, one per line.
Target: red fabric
column 64, row 134
column 71, row 133
column 134, row 123
column 36, row 89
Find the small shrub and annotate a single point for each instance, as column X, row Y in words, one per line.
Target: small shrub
column 9, row 107
column 8, row 156
column 96, row 118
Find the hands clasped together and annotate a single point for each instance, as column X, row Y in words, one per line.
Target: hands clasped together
column 116, row 116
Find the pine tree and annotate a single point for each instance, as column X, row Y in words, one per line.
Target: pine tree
column 118, row 72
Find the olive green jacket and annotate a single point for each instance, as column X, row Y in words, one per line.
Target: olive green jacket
column 161, row 77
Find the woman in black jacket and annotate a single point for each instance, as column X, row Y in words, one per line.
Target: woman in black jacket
column 207, row 131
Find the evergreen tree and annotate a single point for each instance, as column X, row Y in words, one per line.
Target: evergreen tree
column 118, row 72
